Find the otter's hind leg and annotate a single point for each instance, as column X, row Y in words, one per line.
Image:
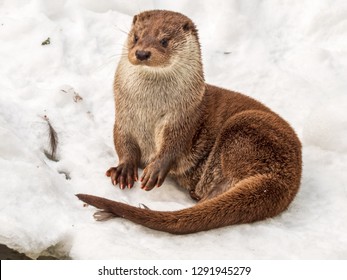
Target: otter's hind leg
column 241, row 150
column 212, row 182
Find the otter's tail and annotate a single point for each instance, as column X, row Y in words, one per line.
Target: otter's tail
column 250, row 200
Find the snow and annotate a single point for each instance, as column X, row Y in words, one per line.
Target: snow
column 291, row 55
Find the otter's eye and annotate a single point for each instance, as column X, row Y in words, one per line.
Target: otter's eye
column 136, row 39
column 164, row 42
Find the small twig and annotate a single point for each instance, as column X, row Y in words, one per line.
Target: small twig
column 143, row 206
column 46, row 42
column 76, row 97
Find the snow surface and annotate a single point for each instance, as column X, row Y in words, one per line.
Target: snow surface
column 291, row 55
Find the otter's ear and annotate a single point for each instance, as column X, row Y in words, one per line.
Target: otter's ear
column 134, row 19
column 189, row 26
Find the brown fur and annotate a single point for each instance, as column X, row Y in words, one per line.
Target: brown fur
column 233, row 154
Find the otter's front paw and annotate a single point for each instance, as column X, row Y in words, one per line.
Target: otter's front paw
column 125, row 174
column 154, row 174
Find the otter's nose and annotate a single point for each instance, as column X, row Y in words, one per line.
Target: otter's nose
column 142, row 55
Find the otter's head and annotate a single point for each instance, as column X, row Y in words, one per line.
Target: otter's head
column 159, row 38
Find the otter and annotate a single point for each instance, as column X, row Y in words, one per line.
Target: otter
column 236, row 157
